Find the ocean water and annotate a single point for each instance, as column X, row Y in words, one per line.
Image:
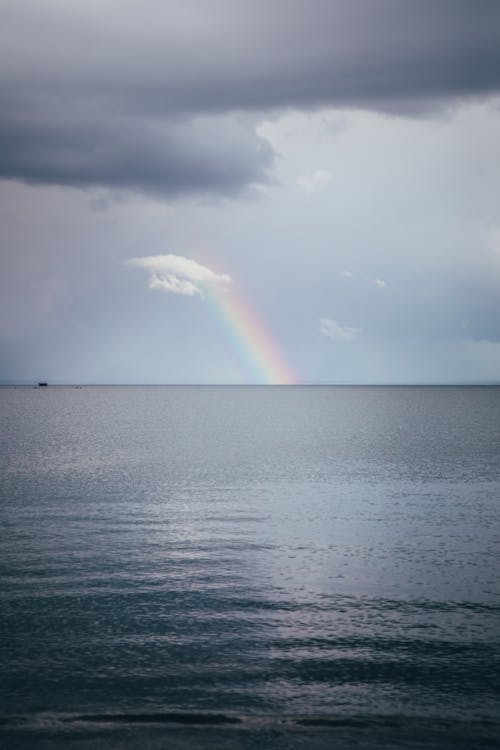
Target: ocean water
column 250, row 566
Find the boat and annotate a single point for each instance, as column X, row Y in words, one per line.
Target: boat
column 42, row 385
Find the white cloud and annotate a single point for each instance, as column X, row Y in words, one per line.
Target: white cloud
column 379, row 282
column 174, row 273
column 347, row 274
column 315, row 181
column 335, row 331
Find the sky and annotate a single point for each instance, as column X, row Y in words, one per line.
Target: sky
column 250, row 191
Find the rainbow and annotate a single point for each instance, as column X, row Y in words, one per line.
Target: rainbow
column 250, row 338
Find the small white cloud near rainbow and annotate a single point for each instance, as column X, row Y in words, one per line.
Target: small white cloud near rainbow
column 248, row 333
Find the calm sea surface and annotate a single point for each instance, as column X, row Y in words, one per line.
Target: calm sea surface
column 315, row 556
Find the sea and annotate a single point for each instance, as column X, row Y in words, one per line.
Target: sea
column 250, row 567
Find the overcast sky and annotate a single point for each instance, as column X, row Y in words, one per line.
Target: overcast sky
column 334, row 165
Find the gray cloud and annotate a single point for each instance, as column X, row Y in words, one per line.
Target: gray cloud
column 170, row 157
column 144, row 95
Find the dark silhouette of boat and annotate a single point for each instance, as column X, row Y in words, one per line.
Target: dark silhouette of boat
column 42, row 385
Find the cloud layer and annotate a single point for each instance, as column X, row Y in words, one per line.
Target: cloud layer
column 97, row 94
column 179, row 275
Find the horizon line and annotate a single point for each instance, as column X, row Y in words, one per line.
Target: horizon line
column 59, row 384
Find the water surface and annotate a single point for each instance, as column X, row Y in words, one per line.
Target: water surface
column 298, row 553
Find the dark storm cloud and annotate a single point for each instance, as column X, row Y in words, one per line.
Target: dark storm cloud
column 145, row 95
column 89, row 147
